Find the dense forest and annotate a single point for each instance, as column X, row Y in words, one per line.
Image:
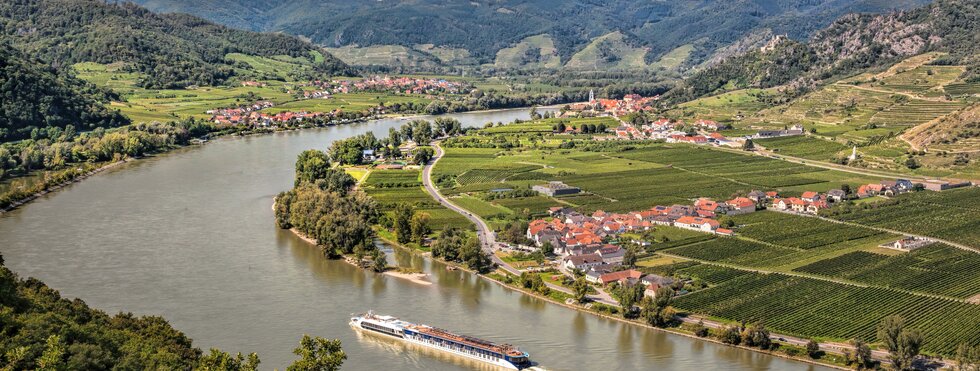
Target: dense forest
column 852, row 43
column 485, row 27
column 172, row 50
column 40, row 330
column 37, row 97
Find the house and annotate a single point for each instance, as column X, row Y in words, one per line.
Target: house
column 725, row 232
column 757, row 196
column 697, row 223
column 582, row 262
column 940, row 185
column 408, row 148
column 556, row 189
column 908, row 243
column 740, row 205
column 836, row 195
column 868, row 190
column 810, row 196
column 659, row 281
column 368, row 155
column 611, row 254
column 627, row 277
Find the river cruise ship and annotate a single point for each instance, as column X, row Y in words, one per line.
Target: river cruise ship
column 503, row 355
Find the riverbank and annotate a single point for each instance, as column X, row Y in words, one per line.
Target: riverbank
column 49, row 188
column 40, row 189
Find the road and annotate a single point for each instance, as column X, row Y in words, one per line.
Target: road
column 488, row 241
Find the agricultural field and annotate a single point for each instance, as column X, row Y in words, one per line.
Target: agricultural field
column 782, row 242
column 633, row 179
column 818, row 309
column 936, row 269
column 725, row 107
column 805, row 147
column 391, row 187
column 949, row 215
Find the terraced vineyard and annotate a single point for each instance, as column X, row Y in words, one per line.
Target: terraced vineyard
column 963, row 88
column 811, row 308
column 913, row 113
column 938, row 269
column 949, row 215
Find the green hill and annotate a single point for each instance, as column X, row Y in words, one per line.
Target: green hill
column 852, row 44
column 171, row 50
column 38, row 97
column 486, row 27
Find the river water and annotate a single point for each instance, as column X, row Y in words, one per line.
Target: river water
column 190, row 236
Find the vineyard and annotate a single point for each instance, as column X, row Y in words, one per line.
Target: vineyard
column 811, row 308
column 391, row 187
column 733, row 251
column 937, row 269
column 797, row 231
column 804, row 146
column 949, row 215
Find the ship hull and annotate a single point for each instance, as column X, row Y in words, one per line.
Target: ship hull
column 499, row 363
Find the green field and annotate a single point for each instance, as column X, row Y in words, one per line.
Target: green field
column 938, row 269
column 950, row 215
column 391, row 187
column 811, row 308
column 805, row 147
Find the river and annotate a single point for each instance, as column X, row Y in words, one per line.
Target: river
column 190, row 236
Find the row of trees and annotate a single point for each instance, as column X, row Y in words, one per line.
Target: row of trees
column 350, row 151
column 43, row 331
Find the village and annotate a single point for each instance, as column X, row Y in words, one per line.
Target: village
column 387, row 84
column 592, row 245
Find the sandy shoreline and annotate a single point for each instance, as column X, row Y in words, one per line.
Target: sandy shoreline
column 418, row 278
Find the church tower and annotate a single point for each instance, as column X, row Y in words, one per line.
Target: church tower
column 591, row 96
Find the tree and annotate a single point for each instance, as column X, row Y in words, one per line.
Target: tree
column 629, row 257
column 700, row 330
column 474, row 257
column 813, row 349
column 629, row 296
column 419, row 225
column 731, row 335
column 967, row 358
column 581, row 290
column 53, row 356
column 311, row 165
column 748, row 145
column 318, row 354
column 862, row 354
column 903, row 344
column 846, row 188
column 760, row 336
column 402, row 221
column 422, row 156
column 380, row 262
column 218, row 360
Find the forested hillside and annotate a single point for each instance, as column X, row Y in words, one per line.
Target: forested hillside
column 171, row 50
column 851, row 44
column 34, row 96
column 485, row 27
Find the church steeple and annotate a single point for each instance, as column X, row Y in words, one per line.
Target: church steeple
column 591, row 96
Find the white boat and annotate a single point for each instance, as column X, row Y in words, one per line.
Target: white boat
column 502, row 355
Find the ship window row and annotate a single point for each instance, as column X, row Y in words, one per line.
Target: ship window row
column 461, row 347
column 383, row 329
